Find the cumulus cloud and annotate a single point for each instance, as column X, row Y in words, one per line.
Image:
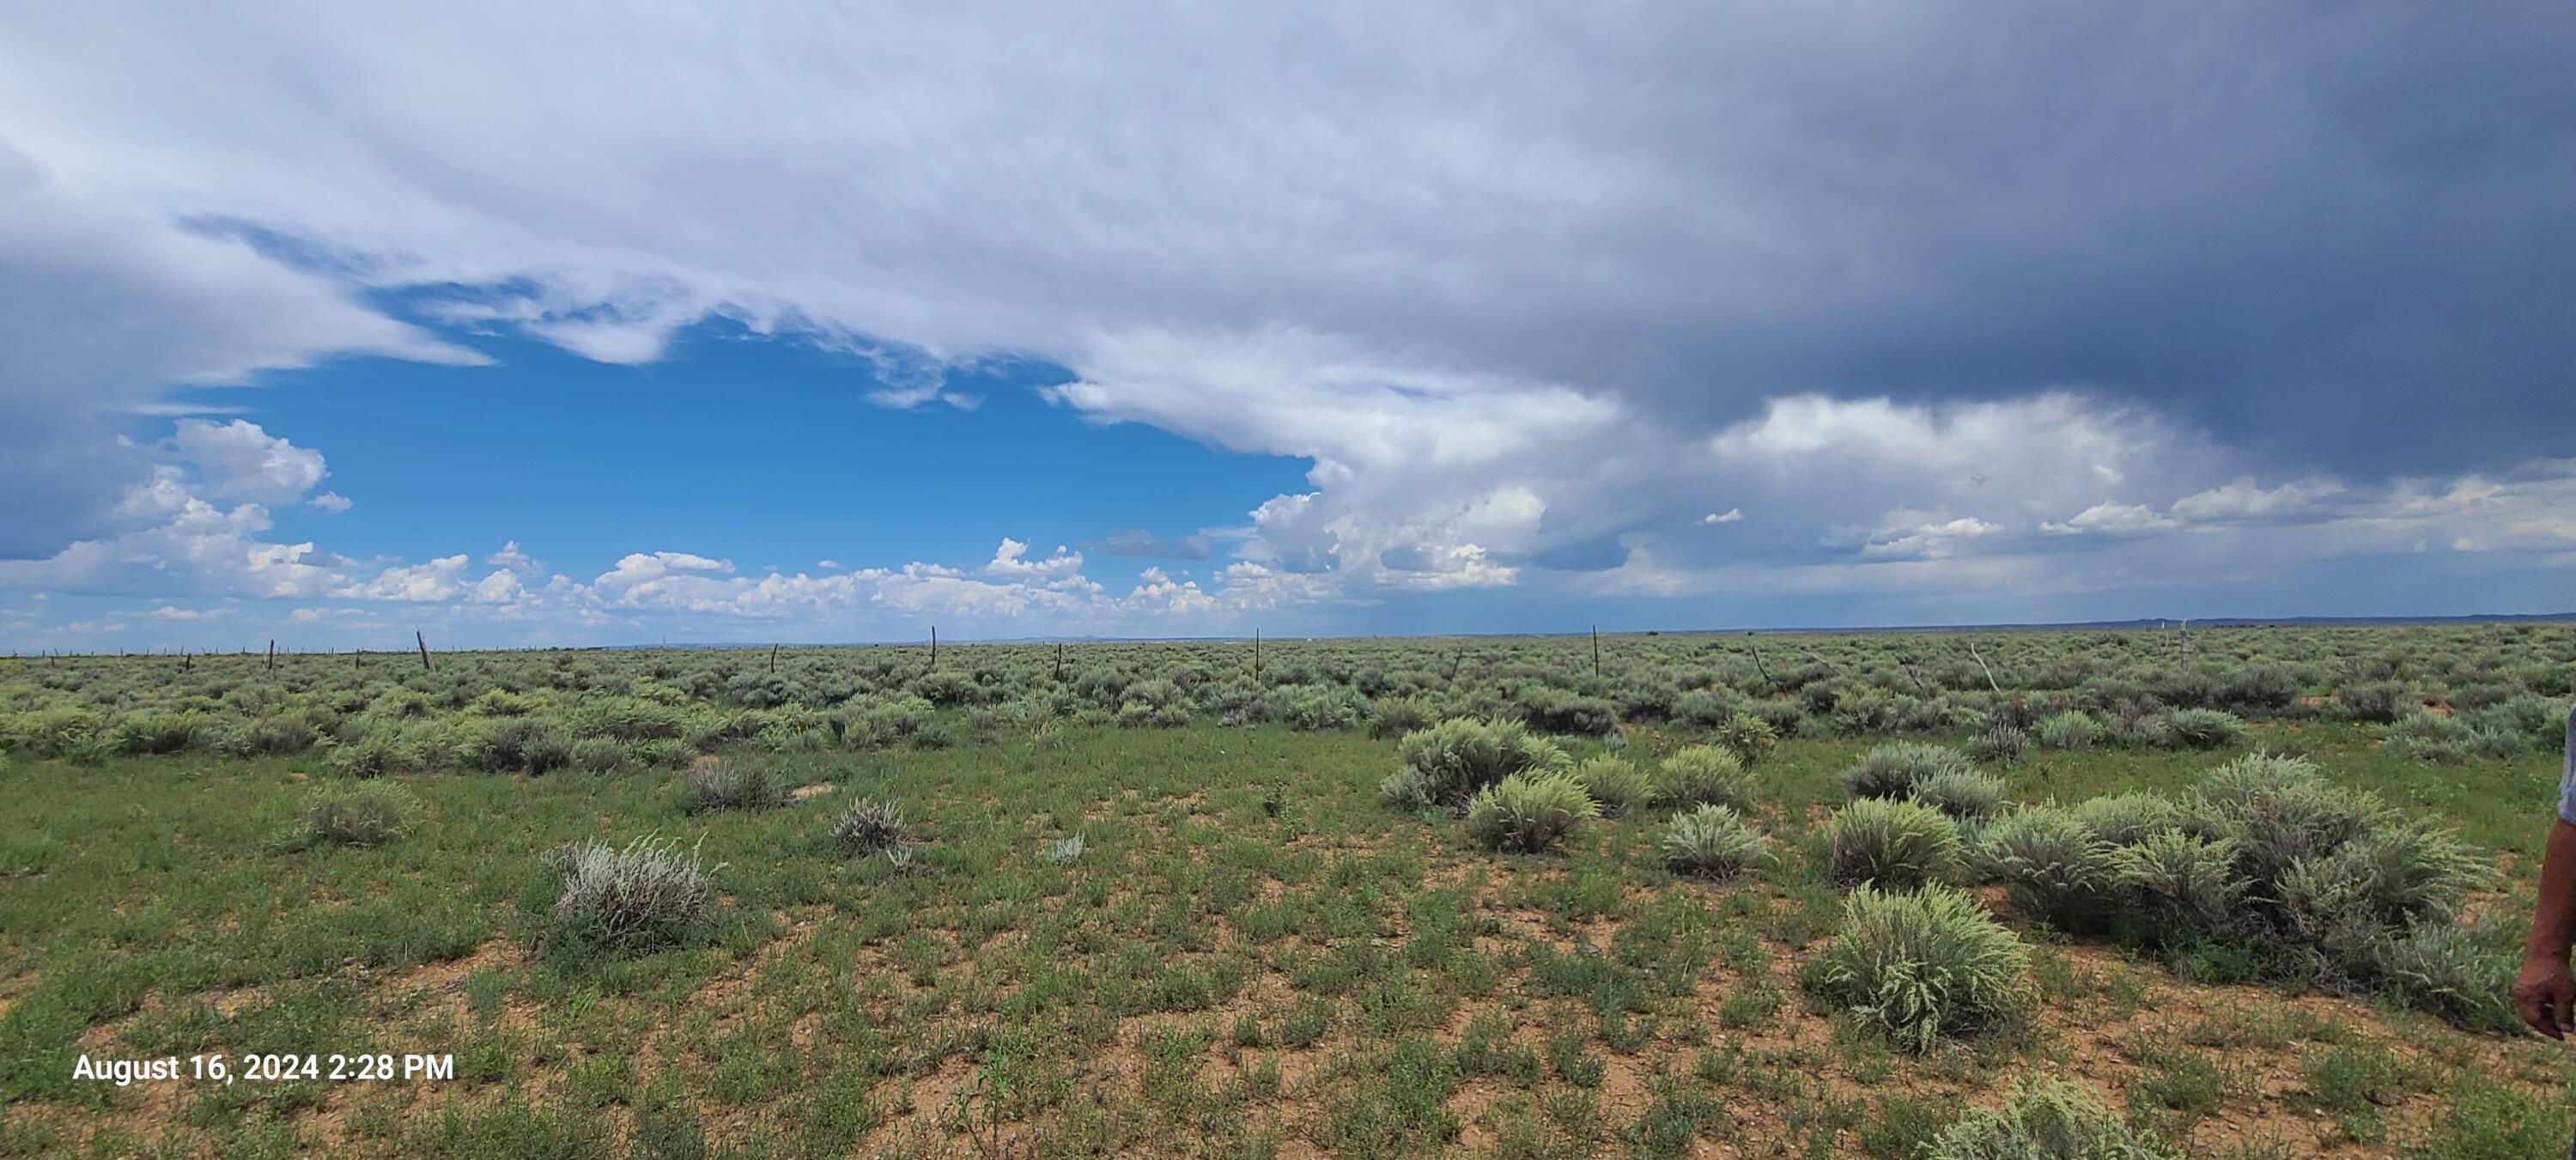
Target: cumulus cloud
column 238, row 460
column 2126, row 263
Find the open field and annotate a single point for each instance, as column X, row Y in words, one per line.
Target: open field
column 1264, row 941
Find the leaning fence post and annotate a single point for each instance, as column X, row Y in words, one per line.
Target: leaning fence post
column 1758, row 666
column 1981, row 664
column 424, row 649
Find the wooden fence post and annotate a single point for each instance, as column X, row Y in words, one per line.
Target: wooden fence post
column 1758, row 666
column 424, row 649
column 1596, row 650
column 1981, row 664
column 934, row 647
column 272, row 656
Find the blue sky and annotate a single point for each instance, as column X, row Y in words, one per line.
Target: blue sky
column 540, row 327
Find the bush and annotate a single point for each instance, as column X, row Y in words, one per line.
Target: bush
column 2205, row 728
column 2187, row 884
column 523, row 745
column 1528, row 812
column 2459, row 974
column 1898, row 844
column 1891, row 770
column 1703, row 775
column 1920, row 966
column 715, row 785
column 2376, row 702
column 1408, row 789
column 1557, row 711
column 2055, row 869
column 1398, row 716
column 1748, row 737
column 366, row 815
column 868, row 826
column 1712, row 841
column 1462, row 757
column 1999, row 743
column 1701, row 709
column 2125, row 819
column 1965, row 794
column 598, row 755
column 626, row 902
column 2046, row 1119
column 2072, row 729
column 1613, row 784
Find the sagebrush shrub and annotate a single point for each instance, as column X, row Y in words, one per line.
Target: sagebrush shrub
column 363, row 815
column 1920, row 965
column 868, row 826
column 1408, row 789
column 1894, row 843
column 1999, row 742
column 2054, row 868
column 2204, row 728
column 2461, row 974
column 1712, row 841
column 1614, row 785
column 1701, row 709
column 2378, row 702
column 629, row 901
column 1965, row 794
column 2186, row 883
column 598, row 754
column 1891, row 770
column 1529, row 812
column 1397, row 716
column 1459, row 758
column 524, row 745
column 1748, row 737
column 2125, row 819
column 2073, row 729
column 1703, row 775
column 716, row 785
column 2046, row 1119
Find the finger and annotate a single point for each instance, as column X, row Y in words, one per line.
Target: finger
column 2535, row 1012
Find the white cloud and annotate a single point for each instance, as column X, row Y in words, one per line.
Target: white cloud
column 241, row 462
column 1729, row 516
column 331, row 501
column 2109, row 518
column 510, row 556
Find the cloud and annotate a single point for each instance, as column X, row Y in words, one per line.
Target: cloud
column 1146, row 545
column 1729, row 516
column 1976, row 270
column 331, row 501
column 510, row 556
column 239, row 461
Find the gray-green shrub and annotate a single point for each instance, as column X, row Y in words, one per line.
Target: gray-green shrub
column 1702, row 775
column 1614, row 785
column 1529, row 812
column 1891, row 770
column 364, row 815
column 1461, row 757
column 623, row 902
column 717, row 785
column 1920, row 966
column 1893, row 843
column 1711, row 841
column 1965, row 794
column 2046, row 1119
column 2055, row 870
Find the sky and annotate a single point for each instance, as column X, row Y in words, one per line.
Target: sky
column 604, row 324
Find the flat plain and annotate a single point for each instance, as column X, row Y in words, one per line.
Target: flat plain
column 2241, row 892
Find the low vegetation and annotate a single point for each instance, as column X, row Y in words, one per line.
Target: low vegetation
column 1797, row 895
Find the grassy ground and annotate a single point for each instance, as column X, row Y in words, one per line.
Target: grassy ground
column 1251, row 957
